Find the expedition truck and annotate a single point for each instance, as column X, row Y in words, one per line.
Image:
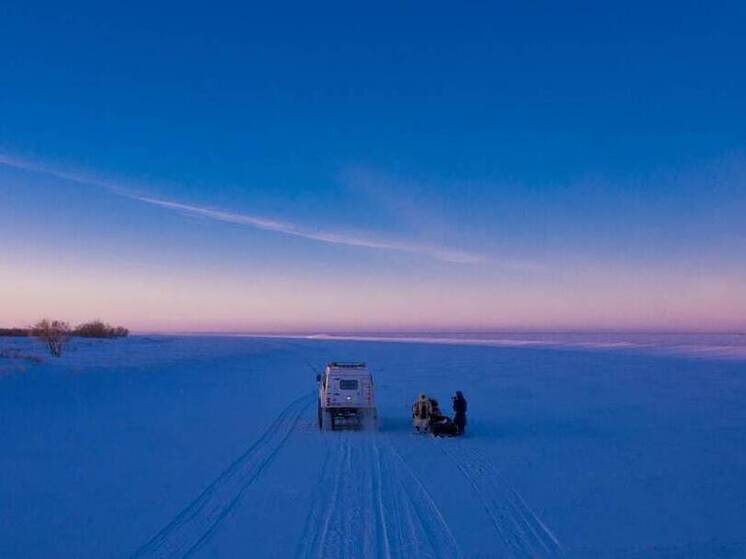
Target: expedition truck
column 346, row 397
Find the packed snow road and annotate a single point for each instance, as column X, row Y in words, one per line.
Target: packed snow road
column 208, row 447
column 366, row 502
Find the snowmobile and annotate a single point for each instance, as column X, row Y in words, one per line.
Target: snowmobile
column 443, row 427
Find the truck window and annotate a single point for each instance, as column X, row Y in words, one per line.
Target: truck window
column 347, row 384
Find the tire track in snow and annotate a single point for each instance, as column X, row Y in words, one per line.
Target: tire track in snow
column 370, row 504
column 428, row 534
column 317, row 512
column 381, row 509
column 194, row 525
column 522, row 532
column 345, row 518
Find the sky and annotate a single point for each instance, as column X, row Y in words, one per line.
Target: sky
column 329, row 167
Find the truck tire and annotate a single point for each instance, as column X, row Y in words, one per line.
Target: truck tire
column 369, row 420
column 319, row 414
column 326, row 421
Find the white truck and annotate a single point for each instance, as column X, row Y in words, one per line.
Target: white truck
column 346, row 397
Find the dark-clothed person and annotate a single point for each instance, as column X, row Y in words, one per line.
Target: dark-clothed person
column 459, row 412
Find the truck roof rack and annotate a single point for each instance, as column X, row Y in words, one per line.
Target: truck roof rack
column 347, row 364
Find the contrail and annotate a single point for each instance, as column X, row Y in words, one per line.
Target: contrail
column 362, row 240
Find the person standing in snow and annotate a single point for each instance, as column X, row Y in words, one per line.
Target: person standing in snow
column 422, row 410
column 459, row 411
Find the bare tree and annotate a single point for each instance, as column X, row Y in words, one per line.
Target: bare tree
column 54, row 333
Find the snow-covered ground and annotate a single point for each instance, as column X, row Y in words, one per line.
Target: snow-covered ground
column 158, row 446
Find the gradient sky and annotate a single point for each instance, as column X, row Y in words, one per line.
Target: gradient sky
column 404, row 166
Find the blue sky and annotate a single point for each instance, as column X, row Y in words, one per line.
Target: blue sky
column 420, row 166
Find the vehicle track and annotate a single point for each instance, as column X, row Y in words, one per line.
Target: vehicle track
column 521, row 531
column 345, row 518
column 194, row 525
column 427, row 533
column 370, row 504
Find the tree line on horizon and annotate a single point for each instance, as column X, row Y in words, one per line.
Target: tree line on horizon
column 55, row 333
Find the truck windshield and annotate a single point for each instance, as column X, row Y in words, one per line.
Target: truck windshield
column 346, row 384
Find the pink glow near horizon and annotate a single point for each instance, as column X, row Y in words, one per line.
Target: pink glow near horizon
column 171, row 303
column 79, row 271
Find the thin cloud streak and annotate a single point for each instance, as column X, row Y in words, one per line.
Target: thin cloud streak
column 256, row 222
column 321, row 236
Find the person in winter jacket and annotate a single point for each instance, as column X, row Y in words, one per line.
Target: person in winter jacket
column 422, row 411
column 459, row 412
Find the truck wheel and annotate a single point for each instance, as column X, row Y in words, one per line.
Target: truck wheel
column 326, row 422
column 319, row 416
column 369, row 420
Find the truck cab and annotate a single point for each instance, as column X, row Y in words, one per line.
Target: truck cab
column 346, row 397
